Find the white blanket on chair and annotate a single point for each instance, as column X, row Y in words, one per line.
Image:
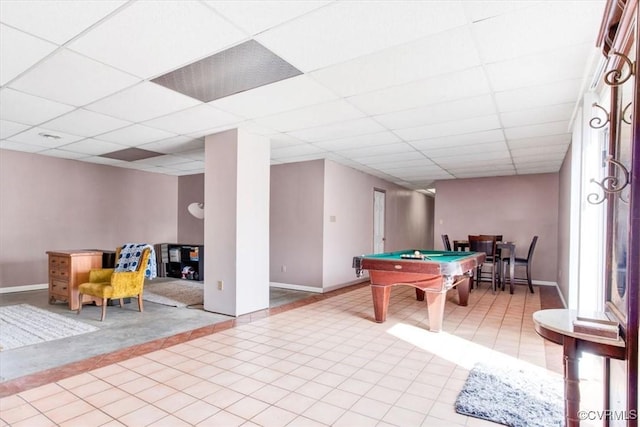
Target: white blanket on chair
column 130, row 255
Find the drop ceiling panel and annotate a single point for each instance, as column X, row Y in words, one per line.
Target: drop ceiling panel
column 542, row 141
column 85, row 123
column 457, row 141
column 93, row 147
column 459, row 109
column 143, row 101
column 28, row 109
column 20, row 146
column 419, row 163
column 436, row 153
column 368, row 140
column 176, row 144
column 19, row 51
column 457, row 127
column 430, row 56
column 135, row 135
column 57, row 21
column 544, row 129
column 150, row 38
column 454, row 86
column 70, row 78
column 295, row 150
column 345, row 30
column 338, row 130
column 193, row 119
column 275, row 98
column 312, row 116
column 388, row 158
column 63, row 154
column 376, row 150
column 9, row 128
column 34, row 136
column 550, row 113
column 538, row 96
column 256, row 16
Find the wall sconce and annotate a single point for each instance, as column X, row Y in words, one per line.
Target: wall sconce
column 196, row 209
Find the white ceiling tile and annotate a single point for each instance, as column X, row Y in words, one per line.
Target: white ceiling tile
column 24, row 108
column 540, row 141
column 457, row 127
column 149, row 38
column 72, row 79
column 359, row 141
column 19, row 51
column 544, row 129
column 533, row 155
column 106, row 161
column 94, row 147
column 57, row 21
column 176, row 144
column 376, row 150
column 135, row 135
column 63, row 154
column 303, row 158
column 8, row 128
column 345, row 30
column 460, row 140
column 453, row 86
column 545, row 167
column 166, row 160
column 485, row 173
column 295, row 151
column 538, row 96
column 387, row 158
column 519, row 33
column 295, row 92
column 142, row 102
column 312, row 116
column 19, row 146
column 257, row 16
column 532, row 116
column 492, row 157
column 189, row 166
column 193, row 120
column 34, row 136
column 85, row 123
column 434, row 55
column 569, row 63
column 459, row 109
column 338, row 130
column 194, row 154
column 419, row 163
column 481, row 10
column 442, row 152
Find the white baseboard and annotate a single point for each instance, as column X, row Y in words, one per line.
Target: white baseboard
column 296, row 287
column 23, row 288
column 543, row 283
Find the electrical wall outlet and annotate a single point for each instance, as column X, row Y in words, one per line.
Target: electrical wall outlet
column 220, row 285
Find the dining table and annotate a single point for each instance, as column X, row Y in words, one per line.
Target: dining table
column 463, row 245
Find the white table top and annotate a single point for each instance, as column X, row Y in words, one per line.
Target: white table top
column 561, row 321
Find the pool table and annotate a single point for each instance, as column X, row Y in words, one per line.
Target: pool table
column 430, row 272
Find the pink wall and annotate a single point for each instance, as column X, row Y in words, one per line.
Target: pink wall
column 48, row 203
column 564, row 225
column 190, row 228
column 518, row 207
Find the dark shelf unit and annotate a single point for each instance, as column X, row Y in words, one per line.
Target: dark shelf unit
column 181, row 261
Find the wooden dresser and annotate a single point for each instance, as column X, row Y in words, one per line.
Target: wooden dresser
column 67, row 270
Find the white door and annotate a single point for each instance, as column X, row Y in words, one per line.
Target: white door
column 378, row 221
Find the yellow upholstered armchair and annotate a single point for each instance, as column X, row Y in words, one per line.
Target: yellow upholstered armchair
column 108, row 283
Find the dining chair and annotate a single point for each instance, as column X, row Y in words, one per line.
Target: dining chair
column 446, row 242
column 522, row 262
column 486, row 244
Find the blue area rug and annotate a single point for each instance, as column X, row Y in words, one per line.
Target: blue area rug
column 513, row 396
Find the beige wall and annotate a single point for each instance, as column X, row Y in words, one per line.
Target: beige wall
column 48, row 203
column 518, row 207
column 190, row 228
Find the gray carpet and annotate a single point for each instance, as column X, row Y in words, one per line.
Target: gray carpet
column 174, row 293
column 513, row 396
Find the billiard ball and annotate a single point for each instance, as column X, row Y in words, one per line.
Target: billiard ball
column 417, row 253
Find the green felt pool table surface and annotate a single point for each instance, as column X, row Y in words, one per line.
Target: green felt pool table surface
column 429, row 255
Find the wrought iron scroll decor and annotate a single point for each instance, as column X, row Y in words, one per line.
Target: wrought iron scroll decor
column 610, row 184
column 620, row 75
column 597, row 122
column 626, row 112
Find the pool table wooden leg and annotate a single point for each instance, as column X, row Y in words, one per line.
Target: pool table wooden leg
column 435, row 304
column 380, row 296
column 463, row 291
column 419, row 294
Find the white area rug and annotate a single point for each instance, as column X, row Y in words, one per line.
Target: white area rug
column 24, row 324
column 175, row 293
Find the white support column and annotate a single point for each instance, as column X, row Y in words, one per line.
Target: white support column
column 236, row 227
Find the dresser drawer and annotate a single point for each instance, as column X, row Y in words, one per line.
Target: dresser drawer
column 59, row 287
column 59, row 267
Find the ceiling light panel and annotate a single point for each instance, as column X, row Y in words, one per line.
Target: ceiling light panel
column 9, row 128
column 70, row 78
column 149, row 38
column 57, row 21
column 460, row 109
column 135, row 135
column 312, row 116
column 275, row 98
column 86, row 123
column 457, row 127
column 532, row 116
column 519, row 33
column 193, row 120
column 433, row 55
column 34, row 136
column 345, row 30
column 359, row 141
column 435, row 90
column 538, row 96
column 257, row 16
column 28, row 109
column 142, row 102
column 19, row 51
column 339, row 130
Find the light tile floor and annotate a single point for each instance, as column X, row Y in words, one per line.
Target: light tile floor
column 325, row 363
